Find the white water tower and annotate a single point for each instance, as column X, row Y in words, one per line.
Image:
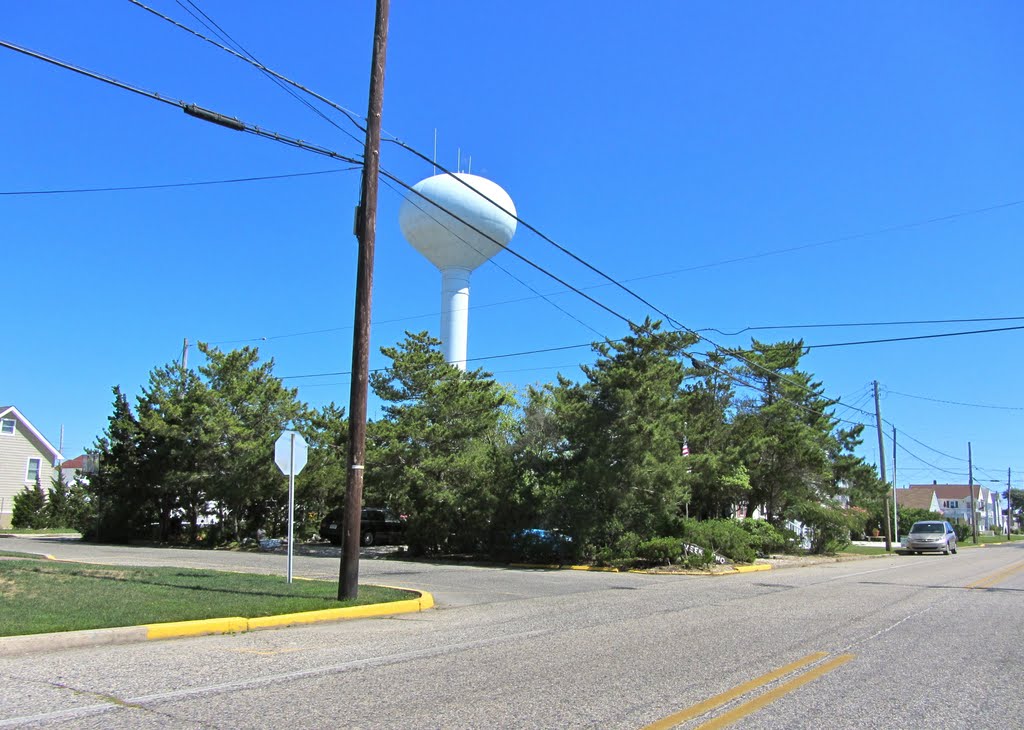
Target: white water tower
column 433, row 228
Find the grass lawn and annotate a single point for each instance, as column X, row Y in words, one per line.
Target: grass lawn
column 986, row 539
column 43, row 531
column 863, row 550
column 39, row 596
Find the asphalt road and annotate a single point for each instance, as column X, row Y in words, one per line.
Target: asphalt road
column 891, row 642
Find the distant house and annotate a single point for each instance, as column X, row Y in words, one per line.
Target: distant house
column 918, row 499
column 78, row 468
column 25, row 457
column 955, row 502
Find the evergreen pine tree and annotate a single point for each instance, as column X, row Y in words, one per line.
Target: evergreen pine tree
column 435, row 449
column 29, row 510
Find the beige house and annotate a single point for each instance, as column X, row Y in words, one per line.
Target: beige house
column 25, row 456
column 920, row 498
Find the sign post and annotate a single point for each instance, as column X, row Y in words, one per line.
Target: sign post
column 290, row 452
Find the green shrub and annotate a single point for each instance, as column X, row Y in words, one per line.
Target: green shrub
column 702, row 559
column 724, row 536
column 829, row 526
column 766, row 538
column 660, row 551
column 962, row 528
column 623, row 554
column 909, row 515
column 29, row 509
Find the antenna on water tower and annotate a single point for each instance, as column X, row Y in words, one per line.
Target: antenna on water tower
column 433, row 225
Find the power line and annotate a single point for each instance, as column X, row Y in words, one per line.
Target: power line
column 910, row 453
column 955, row 403
column 914, row 337
column 161, row 186
column 860, row 324
column 838, row 239
column 468, row 359
column 922, row 443
column 280, row 80
column 700, row 329
column 190, row 109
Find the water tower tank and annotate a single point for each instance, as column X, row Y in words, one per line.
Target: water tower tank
column 432, row 224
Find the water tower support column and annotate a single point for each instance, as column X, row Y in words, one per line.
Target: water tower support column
column 454, row 314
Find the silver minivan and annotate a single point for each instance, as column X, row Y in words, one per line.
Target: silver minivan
column 930, row 535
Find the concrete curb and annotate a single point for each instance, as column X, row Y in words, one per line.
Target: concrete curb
column 33, row 643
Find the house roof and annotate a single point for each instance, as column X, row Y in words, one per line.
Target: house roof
column 77, row 463
column 916, row 498
column 953, row 491
column 11, row 411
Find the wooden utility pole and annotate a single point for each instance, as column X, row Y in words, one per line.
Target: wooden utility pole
column 881, row 468
column 366, row 232
column 974, row 506
column 1008, row 469
column 895, row 508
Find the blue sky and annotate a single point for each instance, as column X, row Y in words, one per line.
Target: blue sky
column 657, row 142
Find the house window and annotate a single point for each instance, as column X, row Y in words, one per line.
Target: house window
column 32, row 474
column 951, row 504
column 7, row 426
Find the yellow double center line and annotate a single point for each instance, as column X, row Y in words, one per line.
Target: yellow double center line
column 1000, row 575
column 728, row 718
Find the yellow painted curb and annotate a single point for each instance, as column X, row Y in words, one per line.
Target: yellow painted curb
column 411, row 605
column 751, row 568
column 238, row 624
column 708, row 574
column 172, row 629
column 552, row 566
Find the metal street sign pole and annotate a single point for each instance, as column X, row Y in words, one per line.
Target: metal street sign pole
column 290, row 454
column 291, row 505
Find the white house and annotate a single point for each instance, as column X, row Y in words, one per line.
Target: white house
column 955, row 501
column 25, row 456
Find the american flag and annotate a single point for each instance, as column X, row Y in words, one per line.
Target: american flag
column 684, row 450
